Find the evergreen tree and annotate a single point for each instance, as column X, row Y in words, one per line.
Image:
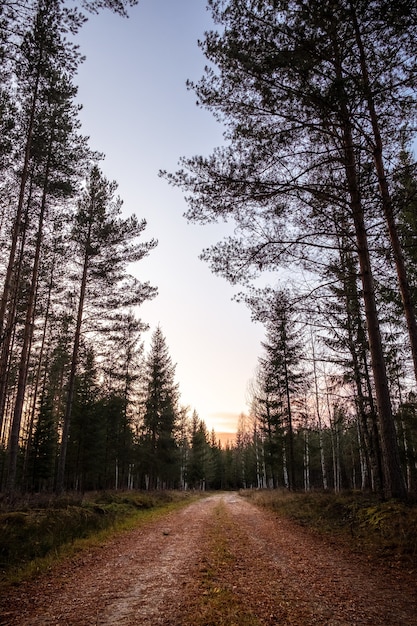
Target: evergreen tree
column 43, row 74
column 159, row 447
column 407, row 425
column 405, row 206
column 118, row 448
column 281, row 371
column 43, row 448
column 42, row 157
column 86, row 440
column 56, row 154
column 45, row 51
column 183, row 441
column 347, row 340
column 106, row 244
column 199, row 470
column 43, row 443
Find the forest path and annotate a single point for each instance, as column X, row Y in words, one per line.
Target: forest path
column 219, row 561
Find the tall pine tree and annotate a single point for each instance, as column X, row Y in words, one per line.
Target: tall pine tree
column 159, row 447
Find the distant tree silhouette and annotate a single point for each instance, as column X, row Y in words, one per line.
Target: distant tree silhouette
column 160, row 463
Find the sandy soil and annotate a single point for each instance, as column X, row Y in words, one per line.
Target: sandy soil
column 280, row 573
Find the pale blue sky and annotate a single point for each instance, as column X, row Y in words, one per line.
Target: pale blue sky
column 138, row 111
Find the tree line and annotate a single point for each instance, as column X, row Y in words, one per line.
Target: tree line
column 317, row 176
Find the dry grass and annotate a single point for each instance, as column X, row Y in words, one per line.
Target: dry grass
column 213, row 602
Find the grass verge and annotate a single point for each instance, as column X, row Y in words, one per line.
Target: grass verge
column 382, row 530
column 36, row 532
column 213, row 601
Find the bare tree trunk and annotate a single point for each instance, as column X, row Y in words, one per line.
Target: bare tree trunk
column 27, row 342
column 338, row 459
column 73, row 370
column 9, row 319
column 306, row 461
column 291, row 473
column 285, row 466
column 259, row 484
column 356, row 336
column 19, row 212
column 404, row 283
column 273, row 477
column 38, row 377
column 318, row 413
column 407, row 456
column 333, row 438
column 394, row 485
column 362, row 457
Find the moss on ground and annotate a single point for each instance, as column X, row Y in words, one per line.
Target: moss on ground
column 43, row 528
column 381, row 529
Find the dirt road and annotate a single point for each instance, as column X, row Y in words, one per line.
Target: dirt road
column 220, row 561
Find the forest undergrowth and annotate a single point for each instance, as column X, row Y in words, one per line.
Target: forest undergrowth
column 382, row 530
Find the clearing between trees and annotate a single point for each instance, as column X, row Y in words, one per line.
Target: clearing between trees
column 219, row 561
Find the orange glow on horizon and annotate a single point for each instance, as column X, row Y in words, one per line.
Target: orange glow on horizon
column 225, row 439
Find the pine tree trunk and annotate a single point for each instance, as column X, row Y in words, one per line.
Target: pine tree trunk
column 394, row 485
column 291, row 468
column 404, row 283
column 38, row 377
column 332, row 441
column 27, row 342
column 362, row 458
column 19, row 211
column 356, row 339
column 10, row 316
column 306, row 461
column 321, row 447
column 393, row 479
column 285, row 466
column 71, row 381
column 407, row 455
column 273, row 480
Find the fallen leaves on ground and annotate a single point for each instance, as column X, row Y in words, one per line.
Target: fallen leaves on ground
column 220, row 561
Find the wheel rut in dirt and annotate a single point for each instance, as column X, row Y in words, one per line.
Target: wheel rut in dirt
column 219, row 561
column 281, row 573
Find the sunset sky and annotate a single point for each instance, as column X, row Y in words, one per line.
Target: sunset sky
column 138, row 112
